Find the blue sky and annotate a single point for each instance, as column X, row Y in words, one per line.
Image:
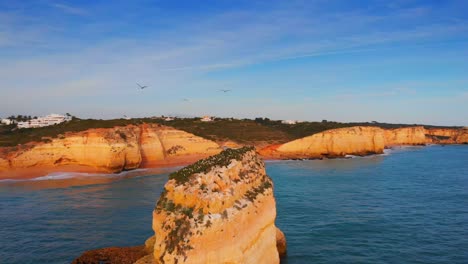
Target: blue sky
column 399, row 61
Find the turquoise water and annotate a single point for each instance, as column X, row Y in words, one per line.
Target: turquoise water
column 410, row 206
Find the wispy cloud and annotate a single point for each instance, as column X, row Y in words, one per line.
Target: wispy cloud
column 183, row 55
column 70, row 9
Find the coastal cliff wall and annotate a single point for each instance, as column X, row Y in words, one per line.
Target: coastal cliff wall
column 218, row 210
column 165, row 145
column 447, row 136
column 332, row 143
column 361, row 141
column 405, row 136
column 109, row 150
column 461, row 137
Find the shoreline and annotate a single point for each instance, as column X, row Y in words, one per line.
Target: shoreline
column 82, row 172
column 42, row 172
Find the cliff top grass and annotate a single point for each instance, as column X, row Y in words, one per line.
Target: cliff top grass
column 245, row 131
column 251, row 132
column 9, row 136
column 203, row 166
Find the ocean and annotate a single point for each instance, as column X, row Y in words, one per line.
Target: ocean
column 407, row 206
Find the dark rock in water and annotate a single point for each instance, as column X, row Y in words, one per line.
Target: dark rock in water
column 112, row 255
column 281, row 243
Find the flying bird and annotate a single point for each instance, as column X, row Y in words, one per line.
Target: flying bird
column 142, row 87
column 224, row 91
column 185, row 100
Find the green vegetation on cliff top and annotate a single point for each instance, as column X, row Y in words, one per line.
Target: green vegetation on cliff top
column 244, row 131
column 9, row 137
column 202, row 166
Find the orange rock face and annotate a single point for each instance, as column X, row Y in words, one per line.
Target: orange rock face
column 281, row 243
column 164, row 146
column 462, row 137
column 110, row 150
column 405, row 136
column 447, row 136
column 361, row 141
column 218, row 210
column 332, row 143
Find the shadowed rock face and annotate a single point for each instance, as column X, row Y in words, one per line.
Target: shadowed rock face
column 218, row 210
column 114, row 255
column 110, row 150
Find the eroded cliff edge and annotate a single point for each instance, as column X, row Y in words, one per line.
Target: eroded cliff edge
column 361, row 141
column 218, row 210
column 150, row 145
column 107, row 150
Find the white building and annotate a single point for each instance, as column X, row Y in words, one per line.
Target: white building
column 168, row 118
column 7, row 121
column 289, row 122
column 206, row 119
column 49, row 120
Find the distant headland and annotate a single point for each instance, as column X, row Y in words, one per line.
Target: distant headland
column 90, row 145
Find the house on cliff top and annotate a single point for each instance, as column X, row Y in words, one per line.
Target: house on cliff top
column 49, row 120
column 206, row 119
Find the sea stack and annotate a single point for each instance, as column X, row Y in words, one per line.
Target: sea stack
column 218, row 210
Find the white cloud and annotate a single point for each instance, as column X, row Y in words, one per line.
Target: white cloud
column 175, row 60
column 70, row 9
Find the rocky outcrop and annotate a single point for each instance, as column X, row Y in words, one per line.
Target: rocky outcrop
column 447, row 136
column 361, row 141
column 331, row 143
column 114, row 255
column 218, row 210
column 281, row 243
column 405, row 136
column 109, row 150
column 461, row 137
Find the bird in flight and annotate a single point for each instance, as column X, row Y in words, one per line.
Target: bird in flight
column 224, row 91
column 142, row 87
column 185, row 100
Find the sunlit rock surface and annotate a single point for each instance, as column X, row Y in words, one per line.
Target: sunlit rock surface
column 218, row 210
column 331, row 143
column 107, row 150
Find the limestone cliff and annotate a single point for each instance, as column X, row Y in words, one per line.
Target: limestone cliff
column 361, row 141
column 461, row 137
column 447, row 136
column 109, row 150
column 218, row 210
column 405, row 136
column 331, row 143
column 166, row 145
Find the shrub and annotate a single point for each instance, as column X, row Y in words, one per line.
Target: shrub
column 203, row 166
